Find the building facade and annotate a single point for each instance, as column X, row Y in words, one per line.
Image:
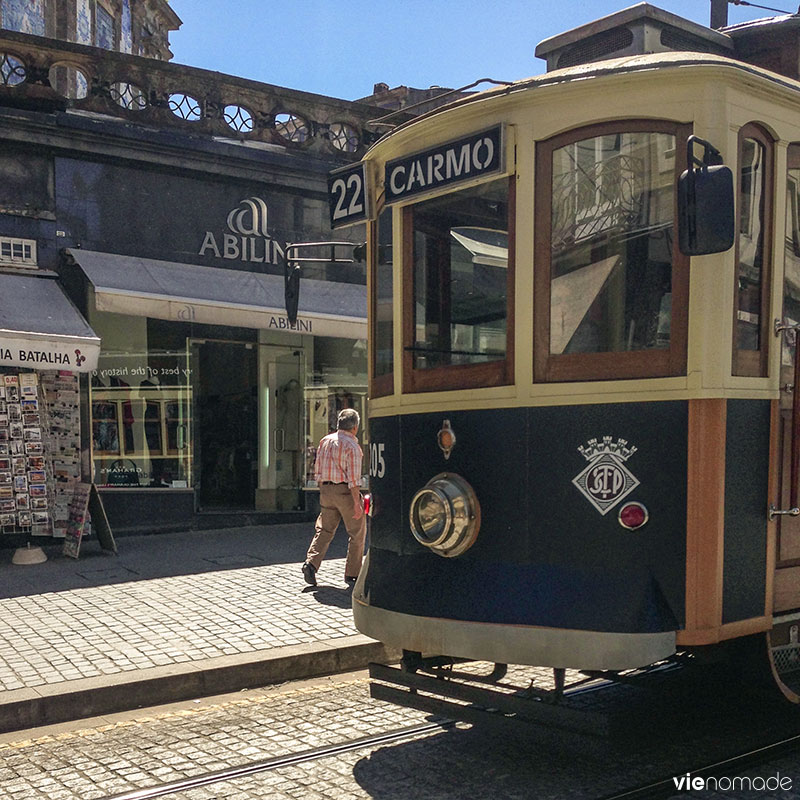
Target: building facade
column 157, row 202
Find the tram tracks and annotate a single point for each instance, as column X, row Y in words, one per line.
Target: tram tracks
column 276, row 762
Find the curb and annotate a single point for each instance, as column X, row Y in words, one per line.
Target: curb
column 91, row 697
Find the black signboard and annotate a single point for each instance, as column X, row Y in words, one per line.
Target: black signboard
column 347, row 195
column 462, row 160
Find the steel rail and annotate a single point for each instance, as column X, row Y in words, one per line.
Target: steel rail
column 326, row 751
column 666, row 787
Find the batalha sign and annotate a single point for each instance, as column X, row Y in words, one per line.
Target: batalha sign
column 462, row 160
column 49, row 354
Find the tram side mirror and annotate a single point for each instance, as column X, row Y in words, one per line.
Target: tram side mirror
column 706, row 221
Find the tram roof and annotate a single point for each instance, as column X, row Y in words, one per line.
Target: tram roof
column 597, row 69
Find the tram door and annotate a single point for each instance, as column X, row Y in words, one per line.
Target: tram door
column 787, row 575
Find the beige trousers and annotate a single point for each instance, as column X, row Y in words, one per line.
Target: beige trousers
column 336, row 505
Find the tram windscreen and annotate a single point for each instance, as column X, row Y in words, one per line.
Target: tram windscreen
column 461, row 277
column 612, row 243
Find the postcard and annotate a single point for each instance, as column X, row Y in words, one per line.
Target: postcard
column 20, row 483
column 22, row 502
column 30, row 419
column 8, row 520
column 5, row 464
column 14, row 412
column 6, row 491
column 40, row 517
column 36, row 475
column 8, row 505
column 38, row 490
column 19, row 464
column 28, row 379
column 12, row 394
column 15, row 446
column 38, row 503
column 36, row 462
column 4, row 451
column 34, row 448
column 4, row 435
column 29, row 405
column 24, row 519
column 5, row 478
column 32, row 434
column 15, row 430
column 3, row 420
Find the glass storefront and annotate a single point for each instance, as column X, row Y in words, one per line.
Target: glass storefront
column 141, row 409
column 232, row 415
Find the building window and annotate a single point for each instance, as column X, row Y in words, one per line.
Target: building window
column 611, row 285
column 25, row 16
column 382, row 313
column 17, row 252
column 753, row 253
column 458, row 284
column 104, row 35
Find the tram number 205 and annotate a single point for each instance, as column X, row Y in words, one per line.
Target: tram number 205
column 377, row 465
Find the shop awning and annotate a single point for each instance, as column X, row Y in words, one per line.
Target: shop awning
column 191, row 293
column 41, row 329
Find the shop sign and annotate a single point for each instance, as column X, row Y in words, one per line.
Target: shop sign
column 49, row 354
column 248, row 239
column 454, row 162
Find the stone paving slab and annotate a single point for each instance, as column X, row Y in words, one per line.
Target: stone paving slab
column 121, row 631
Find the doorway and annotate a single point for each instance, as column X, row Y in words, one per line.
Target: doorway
column 225, row 377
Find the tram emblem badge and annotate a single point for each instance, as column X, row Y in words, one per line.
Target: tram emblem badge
column 606, row 480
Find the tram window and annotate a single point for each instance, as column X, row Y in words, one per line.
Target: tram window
column 611, row 285
column 791, row 269
column 458, row 277
column 753, row 248
column 382, row 314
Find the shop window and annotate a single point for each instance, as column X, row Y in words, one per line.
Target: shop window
column 382, row 315
column 141, row 421
column 753, row 253
column 458, row 280
column 611, row 285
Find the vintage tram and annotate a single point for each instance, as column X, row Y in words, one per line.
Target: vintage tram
column 583, row 434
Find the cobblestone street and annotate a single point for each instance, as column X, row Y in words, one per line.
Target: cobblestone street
column 101, row 758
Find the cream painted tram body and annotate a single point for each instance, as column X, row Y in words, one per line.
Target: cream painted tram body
column 580, row 435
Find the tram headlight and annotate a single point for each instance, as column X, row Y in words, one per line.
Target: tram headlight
column 445, row 515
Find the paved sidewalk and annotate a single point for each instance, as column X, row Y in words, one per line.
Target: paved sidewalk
column 172, row 616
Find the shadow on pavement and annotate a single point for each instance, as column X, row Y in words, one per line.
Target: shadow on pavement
column 161, row 556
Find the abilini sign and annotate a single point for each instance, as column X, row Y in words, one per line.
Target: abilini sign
column 453, row 162
column 248, row 238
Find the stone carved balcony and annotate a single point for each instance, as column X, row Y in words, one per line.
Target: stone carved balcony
column 47, row 74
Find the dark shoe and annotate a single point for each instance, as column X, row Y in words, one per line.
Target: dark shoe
column 310, row 574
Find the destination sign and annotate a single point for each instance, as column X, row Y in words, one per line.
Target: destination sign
column 462, row 160
column 347, row 195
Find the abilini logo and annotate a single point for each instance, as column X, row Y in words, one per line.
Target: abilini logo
column 249, row 238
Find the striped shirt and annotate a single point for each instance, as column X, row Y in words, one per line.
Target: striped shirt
column 339, row 459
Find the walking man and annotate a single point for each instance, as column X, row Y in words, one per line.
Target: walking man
column 338, row 473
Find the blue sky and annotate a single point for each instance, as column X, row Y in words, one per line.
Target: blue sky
column 343, row 48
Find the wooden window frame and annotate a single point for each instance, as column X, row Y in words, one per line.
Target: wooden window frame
column 754, row 363
column 654, row 363
column 379, row 385
column 456, row 376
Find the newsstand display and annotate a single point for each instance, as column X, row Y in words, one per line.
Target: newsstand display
column 39, row 451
